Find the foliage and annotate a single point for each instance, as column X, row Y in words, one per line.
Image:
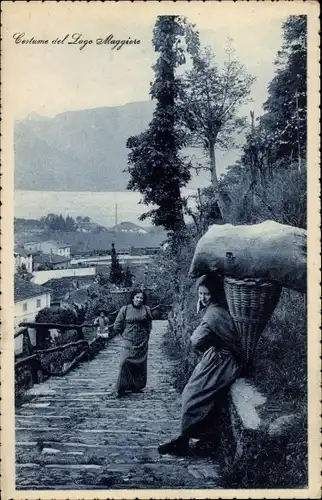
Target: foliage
column 283, row 198
column 127, row 277
column 23, row 273
column 58, row 222
column 269, row 180
column 102, row 279
column 156, row 167
column 100, row 298
column 286, row 107
column 57, row 315
column 55, row 222
column 211, row 101
column 116, row 272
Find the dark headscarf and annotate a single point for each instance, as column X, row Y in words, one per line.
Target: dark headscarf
column 214, row 283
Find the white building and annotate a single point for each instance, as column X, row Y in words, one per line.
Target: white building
column 50, row 246
column 29, row 299
column 22, row 257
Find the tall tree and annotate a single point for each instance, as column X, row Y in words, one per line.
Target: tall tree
column 127, row 279
column 286, row 106
column 212, row 98
column 116, row 272
column 53, row 315
column 70, row 224
column 269, row 180
column 156, row 167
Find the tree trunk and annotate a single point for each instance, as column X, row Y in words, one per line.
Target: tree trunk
column 212, row 158
column 214, row 178
column 298, row 133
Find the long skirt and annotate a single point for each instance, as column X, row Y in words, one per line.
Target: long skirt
column 205, row 393
column 133, row 366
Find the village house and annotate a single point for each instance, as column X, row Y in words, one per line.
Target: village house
column 29, row 298
column 43, row 261
column 23, row 257
column 49, row 246
column 128, row 227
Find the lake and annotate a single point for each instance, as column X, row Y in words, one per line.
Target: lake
column 99, row 206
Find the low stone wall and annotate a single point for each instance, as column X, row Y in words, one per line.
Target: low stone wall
column 255, row 437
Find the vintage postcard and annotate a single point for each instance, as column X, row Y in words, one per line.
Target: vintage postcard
column 160, row 250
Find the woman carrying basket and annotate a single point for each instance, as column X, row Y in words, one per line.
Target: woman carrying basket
column 134, row 323
column 216, row 340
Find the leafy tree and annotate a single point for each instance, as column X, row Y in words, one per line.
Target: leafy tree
column 116, row 272
column 70, row 224
column 59, row 315
column 58, row 223
column 286, row 106
column 99, row 299
column 81, row 222
column 127, row 279
column 211, row 101
column 23, row 272
column 269, row 180
column 102, row 279
column 157, row 170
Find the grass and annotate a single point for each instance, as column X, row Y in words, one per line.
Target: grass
column 280, row 372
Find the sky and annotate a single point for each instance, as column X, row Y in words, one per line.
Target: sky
column 50, row 79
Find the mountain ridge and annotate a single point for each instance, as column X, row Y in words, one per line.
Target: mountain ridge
column 82, row 150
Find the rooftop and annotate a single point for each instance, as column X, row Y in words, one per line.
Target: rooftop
column 59, row 244
column 26, row 289
column 21, row 251
column 44, row 258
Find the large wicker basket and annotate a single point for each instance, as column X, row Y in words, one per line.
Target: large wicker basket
column 251, row 303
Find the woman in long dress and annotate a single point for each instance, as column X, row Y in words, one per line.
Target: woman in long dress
column 133, row 323
column 202, row 399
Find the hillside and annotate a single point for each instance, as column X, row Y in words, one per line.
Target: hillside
column 78, row 150
column 84, row 150
column 88, row 242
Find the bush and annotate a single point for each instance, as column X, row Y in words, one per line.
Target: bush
column 57, row 315
column 281, row 198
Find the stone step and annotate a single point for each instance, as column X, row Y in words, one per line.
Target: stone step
column 100, row 455
column 72, row 434
column 122, row 475
column 106, row 438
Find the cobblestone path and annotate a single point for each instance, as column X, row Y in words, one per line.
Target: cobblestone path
column 73, row 434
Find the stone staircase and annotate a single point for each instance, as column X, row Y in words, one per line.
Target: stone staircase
column 71, row 433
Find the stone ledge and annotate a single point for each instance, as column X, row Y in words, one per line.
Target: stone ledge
column 255, row 434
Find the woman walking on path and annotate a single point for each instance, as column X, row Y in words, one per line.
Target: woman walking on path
column 133, row 323
column 216, row 340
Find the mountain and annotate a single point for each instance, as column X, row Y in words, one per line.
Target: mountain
column 78, row 150
column 85, row 150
